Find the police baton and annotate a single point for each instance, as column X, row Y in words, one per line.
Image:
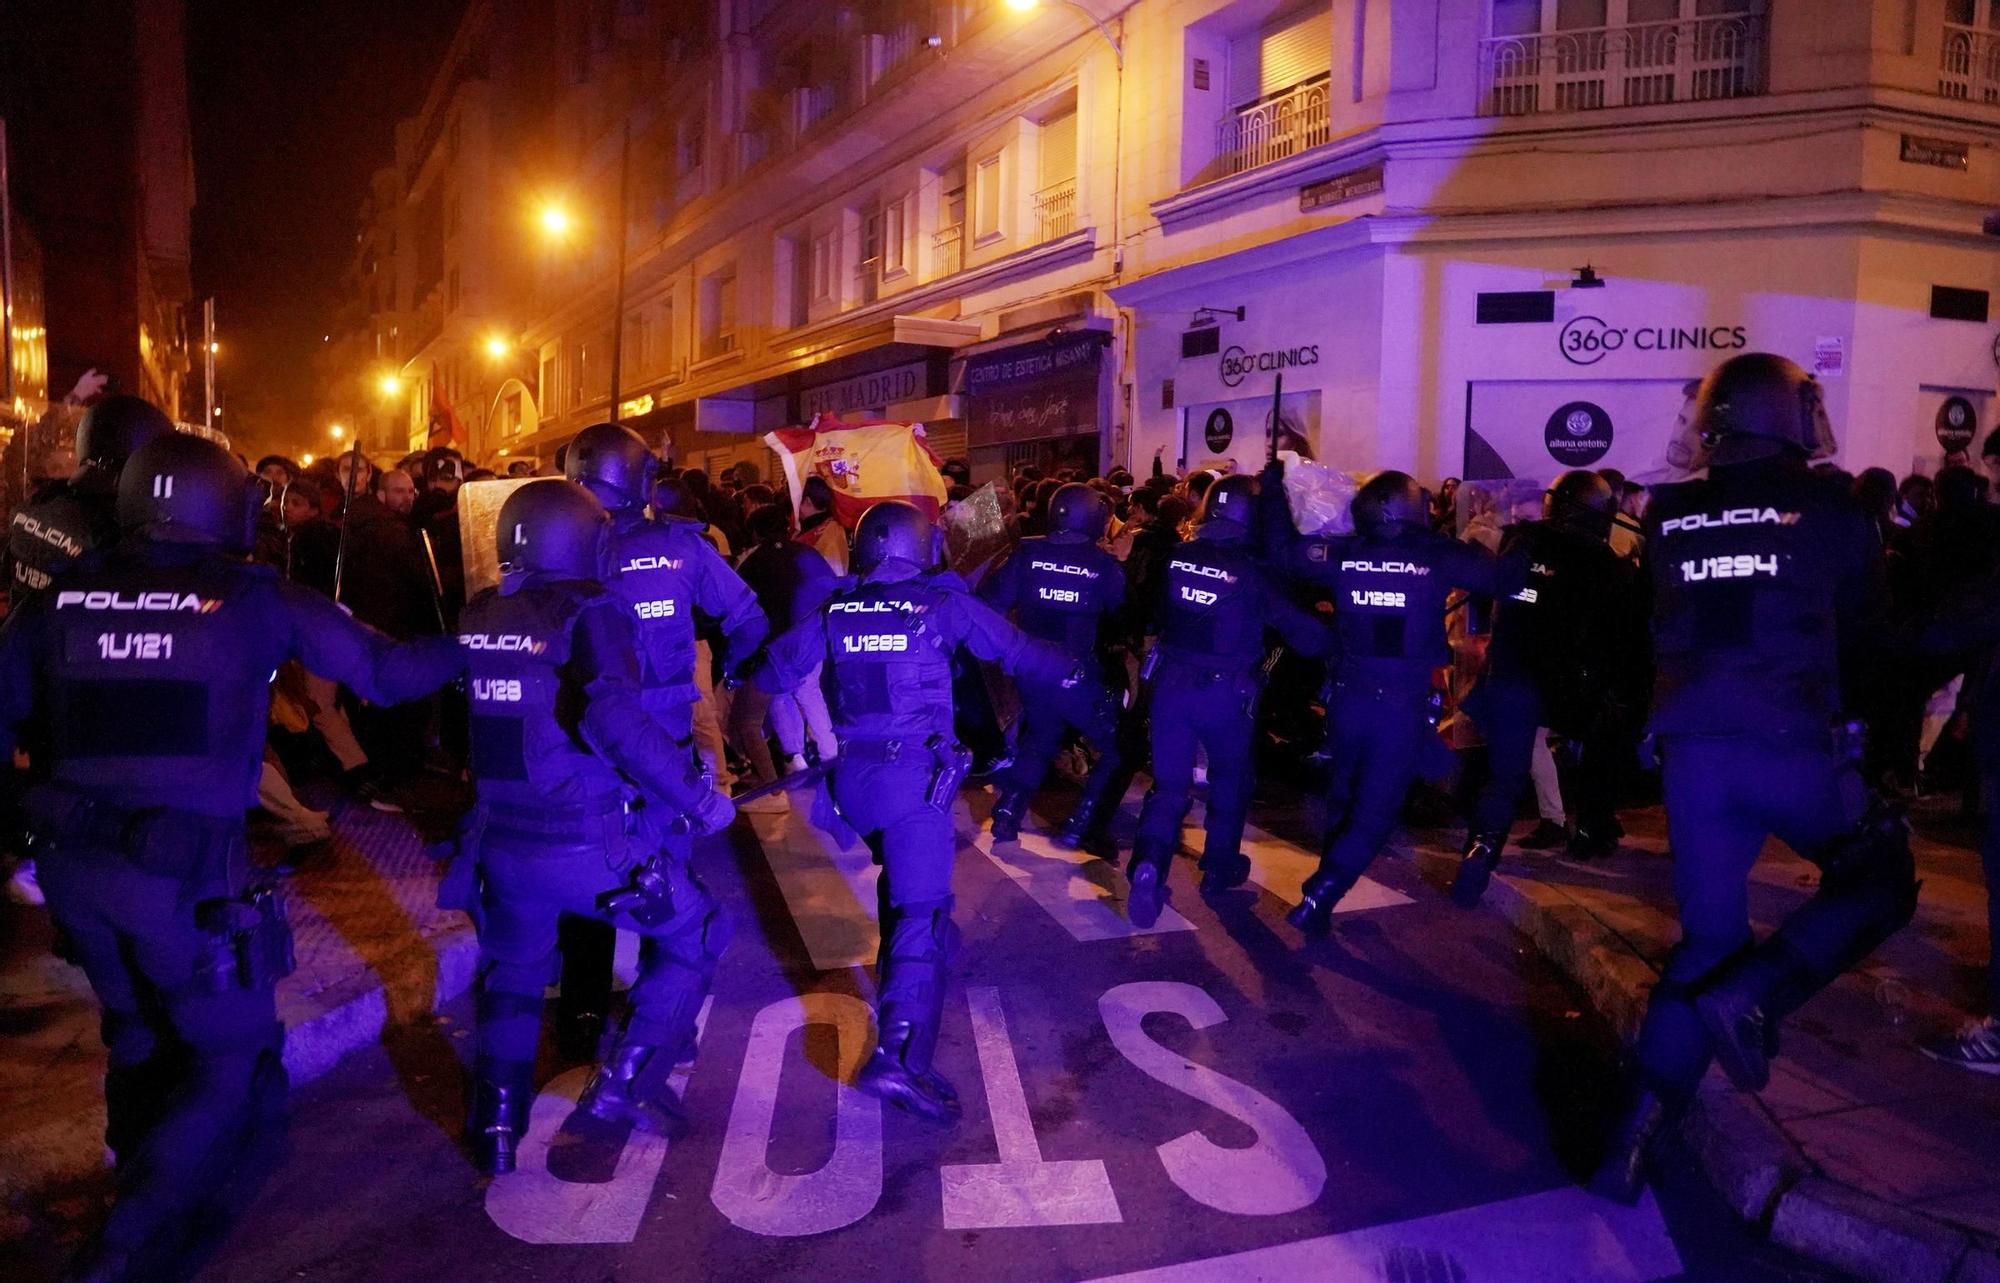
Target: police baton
column 346, row 516
column 808, row 776
column 1277, row 415
column 435, row 583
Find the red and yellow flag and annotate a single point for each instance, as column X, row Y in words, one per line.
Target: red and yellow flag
column 865, row 463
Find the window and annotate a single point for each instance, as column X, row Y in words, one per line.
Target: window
column 798, row 308
column 824, row 246
column 1298, row 47
column 693, row 144
column 718, row 313
column 661, row 334
column 638, row 352
column 986, row 198
column 895, row 236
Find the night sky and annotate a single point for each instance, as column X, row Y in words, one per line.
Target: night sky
column 294, row 105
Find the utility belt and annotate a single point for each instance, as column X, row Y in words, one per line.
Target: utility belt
column 1202, row 670
column 199, row 850
column 950, row 762
column 606, row 820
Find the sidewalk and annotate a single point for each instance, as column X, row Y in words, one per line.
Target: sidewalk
column 372, row 950
column 1862, row 1154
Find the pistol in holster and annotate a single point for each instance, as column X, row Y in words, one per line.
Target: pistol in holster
column 954, row 763
column 648, row 900
column 248, row 944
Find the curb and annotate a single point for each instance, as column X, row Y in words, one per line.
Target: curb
column 1741, row 1149
column 354, row 1011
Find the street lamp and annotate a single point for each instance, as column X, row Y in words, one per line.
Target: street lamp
column 497, row 347
column 337, row 432
column 556, row 222
column 306, row 458
column 391, row 385
column 1117, row 49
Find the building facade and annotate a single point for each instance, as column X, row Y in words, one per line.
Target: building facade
column 1473, row 237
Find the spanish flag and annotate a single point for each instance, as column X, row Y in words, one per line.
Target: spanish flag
column 865, row 463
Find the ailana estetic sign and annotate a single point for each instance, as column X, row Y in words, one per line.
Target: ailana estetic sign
column 1586, row 340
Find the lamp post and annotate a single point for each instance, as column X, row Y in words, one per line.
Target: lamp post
column 558, row 224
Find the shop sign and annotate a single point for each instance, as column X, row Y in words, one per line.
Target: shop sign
column 1340, row 188
column 1220, row 429
column 1237, row 363
column 866, row 391
column 1586, row 340
column 1957, row 424
column 1046, row 389
column 1578, row 434
column 1943, row 153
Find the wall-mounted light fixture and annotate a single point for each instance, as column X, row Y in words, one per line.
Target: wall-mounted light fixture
column 1587, row 279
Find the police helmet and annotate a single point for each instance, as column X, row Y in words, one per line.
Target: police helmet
column 613, row 463
column 1232, row 498
column 556, row 527
column 179, row 488
column 112, row 432
column 1078, row 513
column 1581, row 501
column 894, row 530
column 673, row 497
column 1388, row 505
column 1765, row 397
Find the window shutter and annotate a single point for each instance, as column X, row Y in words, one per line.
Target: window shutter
column 1289, row 51
column 1059, row 149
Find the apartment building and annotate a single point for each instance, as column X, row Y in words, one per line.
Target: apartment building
column 1479, row 237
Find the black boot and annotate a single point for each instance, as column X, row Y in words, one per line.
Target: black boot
column 900, row 1072
column 1595, row 840
column 1224, row 872
column 1147, row 875
column 1743, row 1002
column 1621, row 1176
column 1475, row 870
column 1088, row 827
column 1007, row 812
column 1321, row 893
column 500, row 1099
column 631, row 1087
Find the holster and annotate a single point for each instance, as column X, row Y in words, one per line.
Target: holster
column 180, row 845
column 648, row 900
column 248, row 945
column 954, row 763
column 461, row 888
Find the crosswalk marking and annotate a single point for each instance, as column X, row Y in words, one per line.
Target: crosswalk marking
column 1281, row 867
column 830, row 892
column 1559, row 1234
column 1082, row 893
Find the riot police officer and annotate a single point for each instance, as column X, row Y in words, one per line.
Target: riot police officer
column 886, row 646
column 1767, row 580
column 666, row 570
column 1066, row 590
column 1390, row 581
column 67, row 519
column 1564, row 648
column 567, row 758
column 150, row 663
column 1206, row 674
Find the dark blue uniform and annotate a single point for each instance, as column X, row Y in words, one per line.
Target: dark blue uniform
column 666, row 571
column 152, row 668
column 1565, row 646
column 1766, row 578
column 1069, row 593
column 576, row 781
column 1389, row 598
column 886, row 646
column 60, row 524
column 1205, row 675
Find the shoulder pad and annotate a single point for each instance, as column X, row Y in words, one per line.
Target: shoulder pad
column 675, row 522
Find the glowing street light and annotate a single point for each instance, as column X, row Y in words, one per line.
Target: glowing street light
column 556, row 222
column 391, row 385
column 214, row 347
column 1022, row 6
column 337, row 432
column 497, row 347
column 306, row 458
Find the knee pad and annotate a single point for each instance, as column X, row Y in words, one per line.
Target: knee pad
column 921, row 932
column 718, row 928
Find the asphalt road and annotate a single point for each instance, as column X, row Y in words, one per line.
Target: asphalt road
column 1413, row 1100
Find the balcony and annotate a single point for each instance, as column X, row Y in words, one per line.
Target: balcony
column 1641, row 65
column 947, row 249
column 1274, row 129
column 1969, row 68
column 1055, row 211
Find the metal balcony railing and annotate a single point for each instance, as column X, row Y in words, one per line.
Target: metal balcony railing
column 947, row 249
column 1055, row 211
column 1635, row 66
column 1969, row 67
column 1280, row 126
